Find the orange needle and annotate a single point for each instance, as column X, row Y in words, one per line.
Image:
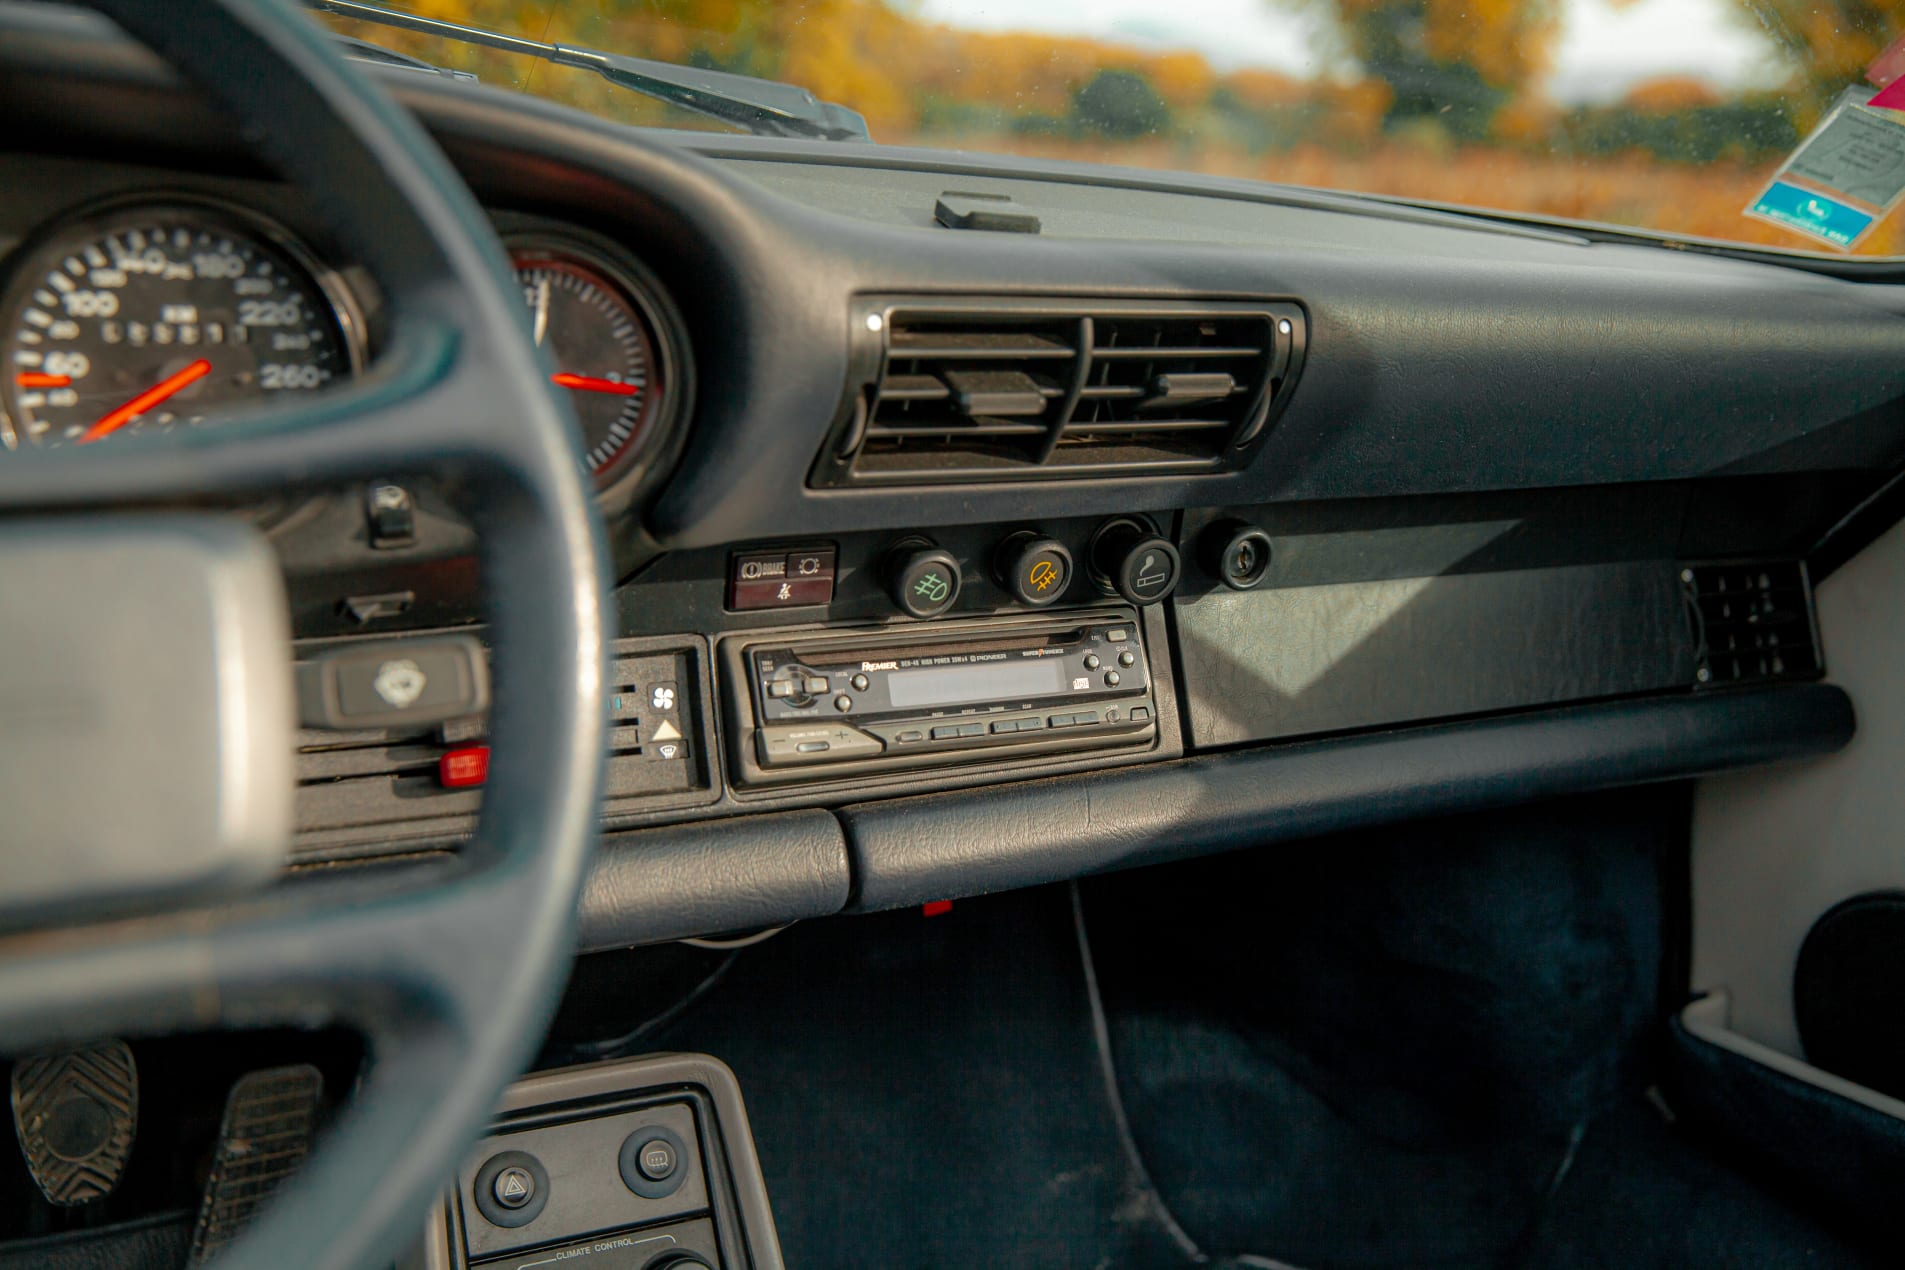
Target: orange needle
column 40, row 379
column 588, row 383
column 111, row 423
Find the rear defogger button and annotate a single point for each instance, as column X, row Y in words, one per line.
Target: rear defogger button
column 653, row 1162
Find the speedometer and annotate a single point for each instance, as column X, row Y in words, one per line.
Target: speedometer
column 144, row 319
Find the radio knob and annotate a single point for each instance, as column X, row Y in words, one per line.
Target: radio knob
column 1134, row 560
column 1032, row 569
column 924, row 580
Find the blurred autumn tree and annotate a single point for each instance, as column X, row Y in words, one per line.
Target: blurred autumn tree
column 1455, row 63
column 1120, row 104
column 1682, row 120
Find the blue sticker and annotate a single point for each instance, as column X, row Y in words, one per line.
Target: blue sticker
column 1812, row 213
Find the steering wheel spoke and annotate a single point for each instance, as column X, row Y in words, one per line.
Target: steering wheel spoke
column 414, row 415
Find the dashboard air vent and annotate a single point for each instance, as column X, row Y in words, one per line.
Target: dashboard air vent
column 1753, row 623
column 966, row 391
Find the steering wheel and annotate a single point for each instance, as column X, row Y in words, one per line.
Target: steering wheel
column 451, row 977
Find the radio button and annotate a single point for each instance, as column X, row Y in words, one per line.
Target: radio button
column 1127, row 658
column 1031, row 725
column 1085, row 717
column 909, row 738
column 812, row 743
column 945, row 734
column 1061, row 720
column 843, row 703
column 1006, row 725
column 1092, row 662
column 1118, row 636
column 860, row 682
column 1140, row 714
column 815, row 687
column 1112, row 679
column 783, row 688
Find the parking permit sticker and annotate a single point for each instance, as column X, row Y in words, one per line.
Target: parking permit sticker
column 1844, row 178
column 1838, row 223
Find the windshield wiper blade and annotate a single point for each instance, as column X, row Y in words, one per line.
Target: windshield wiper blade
column 761, row 106
column 376, row 54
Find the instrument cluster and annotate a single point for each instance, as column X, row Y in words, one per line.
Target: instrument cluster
column 150, row 316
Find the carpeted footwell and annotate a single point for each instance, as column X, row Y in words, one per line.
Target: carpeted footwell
column 925, row 1092
column 1427, row 1047
column 1430, row 1046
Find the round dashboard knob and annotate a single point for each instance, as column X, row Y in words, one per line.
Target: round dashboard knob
column 924, row 580
column 1033, row 569
column 1135, row 560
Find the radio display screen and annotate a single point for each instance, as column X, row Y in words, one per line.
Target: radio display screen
column 957, row 685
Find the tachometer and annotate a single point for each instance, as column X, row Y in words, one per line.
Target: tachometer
column 604, row 348
column 150, row 318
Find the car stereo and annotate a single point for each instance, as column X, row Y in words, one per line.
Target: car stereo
column 953, row 693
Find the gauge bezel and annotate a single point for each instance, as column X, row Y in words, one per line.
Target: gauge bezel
column 659, row 436
column 346, row 310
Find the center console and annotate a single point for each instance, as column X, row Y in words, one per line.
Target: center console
column 646, row 1164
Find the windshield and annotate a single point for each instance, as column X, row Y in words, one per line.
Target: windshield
column 1752, row 121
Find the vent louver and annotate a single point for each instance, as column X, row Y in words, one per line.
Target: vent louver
column 962, row 392
column 1753, row 623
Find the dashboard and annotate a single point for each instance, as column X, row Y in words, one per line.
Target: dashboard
column 951, row 559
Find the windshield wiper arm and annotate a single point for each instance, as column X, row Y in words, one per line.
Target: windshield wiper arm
column 761, row 106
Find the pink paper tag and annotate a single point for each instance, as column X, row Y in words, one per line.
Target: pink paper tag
column 1890, row 97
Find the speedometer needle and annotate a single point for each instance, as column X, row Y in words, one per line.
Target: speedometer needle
column 111, row 423
column 588, row 383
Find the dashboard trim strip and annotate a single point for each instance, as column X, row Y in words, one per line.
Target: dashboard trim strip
column 908, row 851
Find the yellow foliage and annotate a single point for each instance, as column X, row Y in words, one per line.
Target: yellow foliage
column 1267, row 90
column 1528, row 120
column 1504, row 40
column 1182, row 79
column 1354, row 112
column 1670, row 94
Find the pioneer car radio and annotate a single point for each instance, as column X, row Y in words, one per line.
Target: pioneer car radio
column 950, row 693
